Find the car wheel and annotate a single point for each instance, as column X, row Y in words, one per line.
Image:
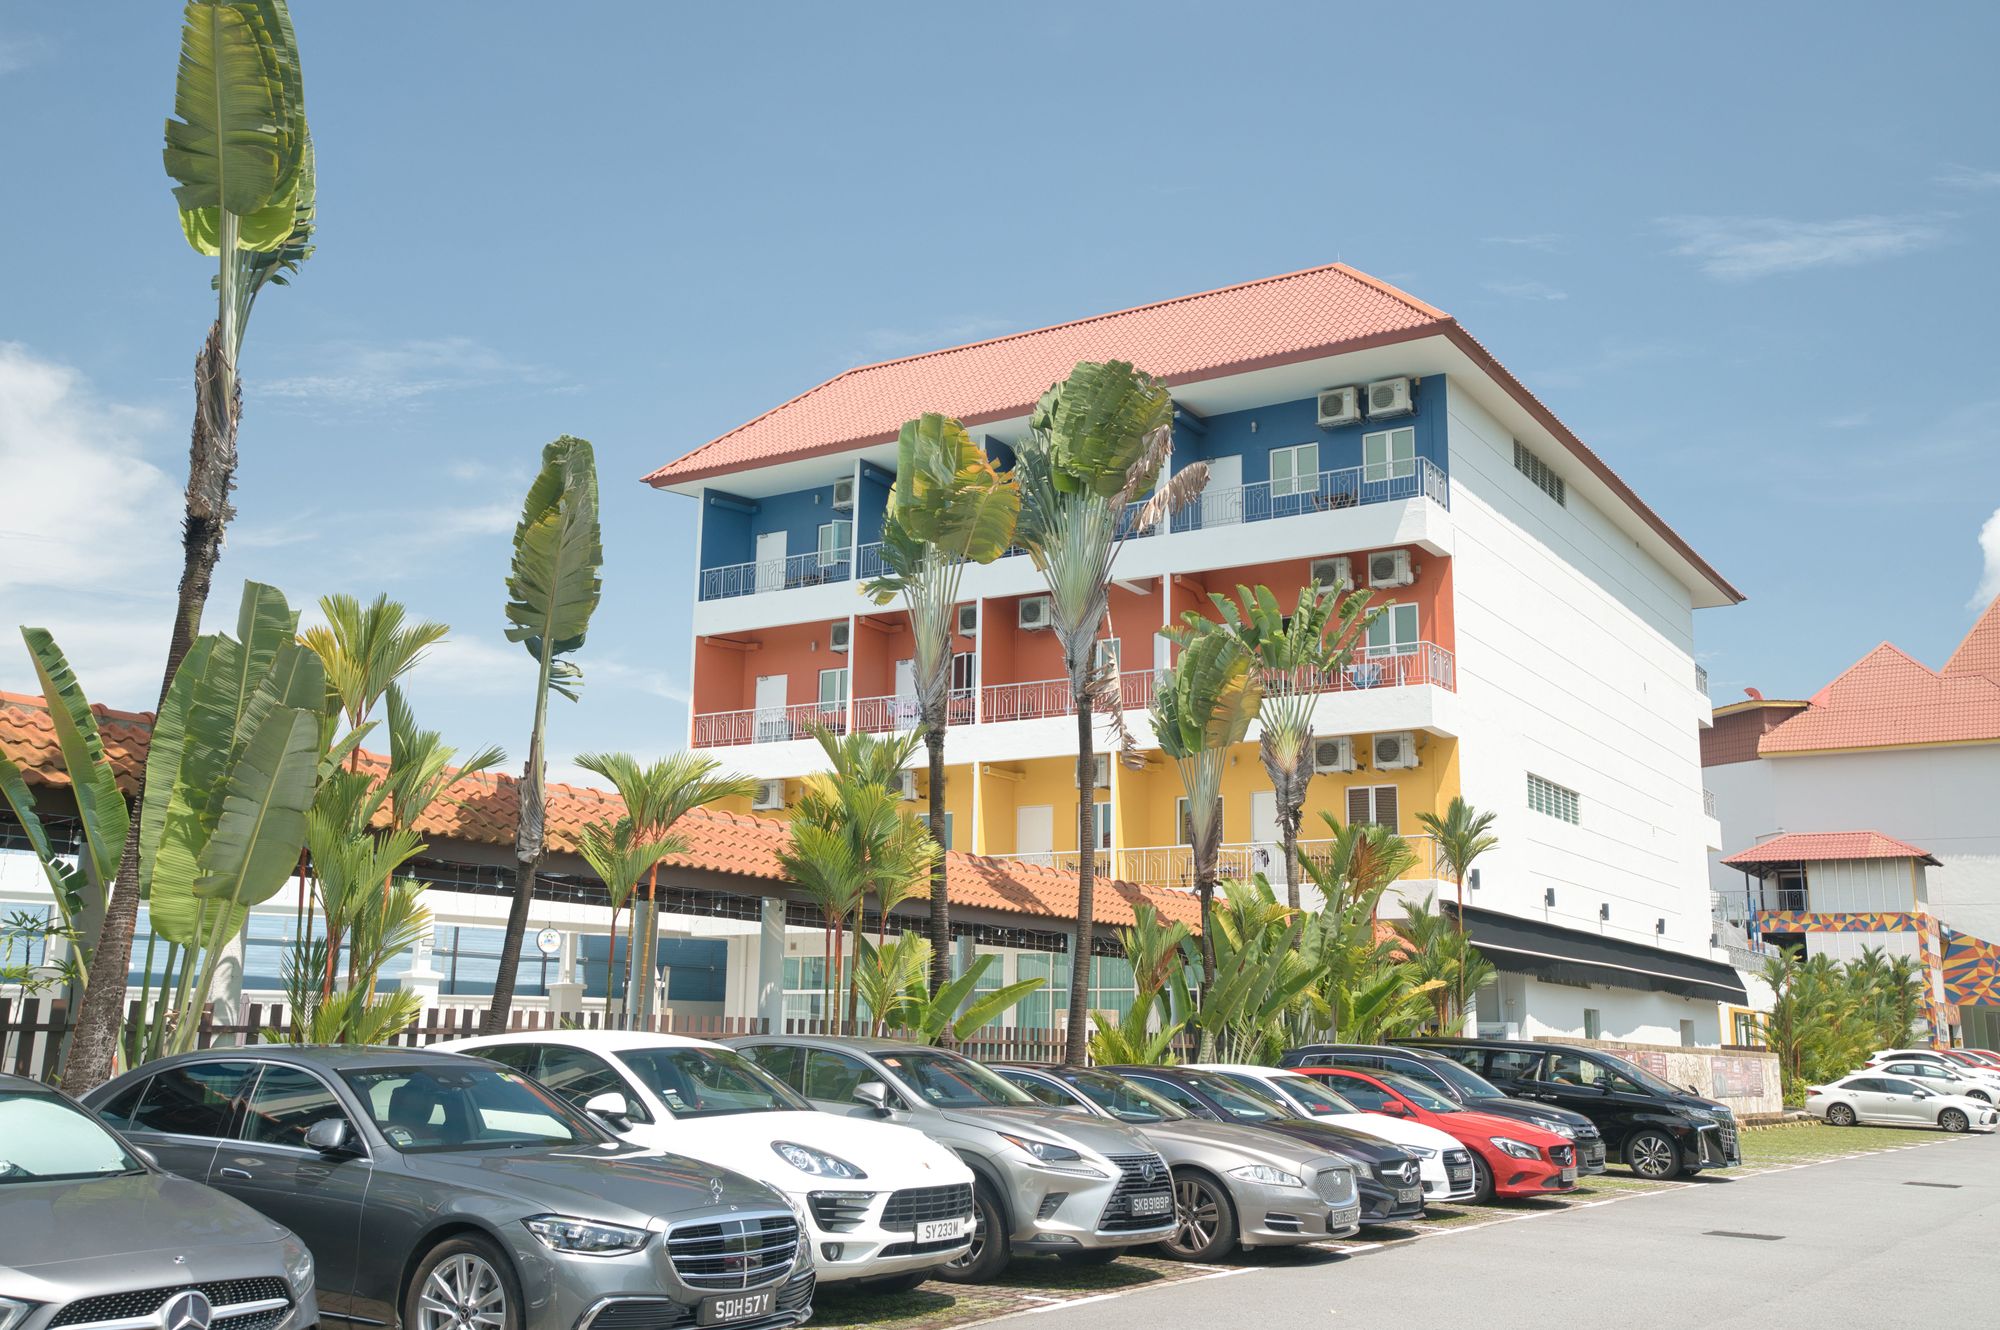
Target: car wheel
column 987, row 1256
column 1981, row 1096
column 1093, row 1256
column 1953, row 1120
column 1482, row 1181
column 1206, row 1219
column 463, row 1283
column 1840, row 1115
column 1653, row 1155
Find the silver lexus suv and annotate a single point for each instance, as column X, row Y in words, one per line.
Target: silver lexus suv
column 1045, row 1180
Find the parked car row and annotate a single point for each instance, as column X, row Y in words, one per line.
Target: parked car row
column 1952, row 1089
column 572, row 1180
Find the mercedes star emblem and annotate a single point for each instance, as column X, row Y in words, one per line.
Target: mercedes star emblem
column 186, row 1310
column 715, row 1189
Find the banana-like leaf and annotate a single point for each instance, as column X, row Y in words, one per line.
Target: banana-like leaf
column 100, row 806
column 234, row 142
column 988, row 1009
column 1208, row 699
column 1099, row 422
column 949, row 494
column 555, row 582
column 167, row 863
column 67, row 883
column 263, row 824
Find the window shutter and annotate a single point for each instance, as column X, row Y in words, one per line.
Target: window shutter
column 1357, row 806
column 1385, row 806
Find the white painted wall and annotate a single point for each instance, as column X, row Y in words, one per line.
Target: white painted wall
column 1556, row 1011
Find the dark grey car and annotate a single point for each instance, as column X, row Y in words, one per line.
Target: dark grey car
column 444, row 1193
column 92, row 1234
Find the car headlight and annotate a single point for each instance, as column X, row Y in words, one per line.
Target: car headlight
column 585, row 1237
column 816, row 1162
column 1562, row 1129
column 1420, row 1151
column 13, row 1311
column 1266, row 1174
column 298, row 1267
column 1519, row 1149
column 1048, row 1154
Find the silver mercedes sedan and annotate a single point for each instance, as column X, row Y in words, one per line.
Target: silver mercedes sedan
column 94, row 1235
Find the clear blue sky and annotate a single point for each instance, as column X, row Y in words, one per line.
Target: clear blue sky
column 1745, row 251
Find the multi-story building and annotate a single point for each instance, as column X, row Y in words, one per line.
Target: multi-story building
column 1892, row 757
column 1534, row 652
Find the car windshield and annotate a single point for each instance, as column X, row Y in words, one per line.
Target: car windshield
column 1466, row 1083
column 1420, row 1094
column 43, row 1139
column 444, row 1107
column 1238, row 1101
column 1123, row 1099
column 1642, row 1076
column 1312, row 1094
column 708, row 1082
column 950, row 1081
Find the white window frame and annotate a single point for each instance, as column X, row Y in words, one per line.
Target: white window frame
column 1397, row 631
column 1101, row 822
column 1106, row 649
column 839, row 701
column 834, row 551
column 1553, row 800
column 964, row 671
column 1382, row 460
column 1299, row 473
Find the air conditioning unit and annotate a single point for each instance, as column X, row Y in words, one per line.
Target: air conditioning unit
column 1339, row 406
column 1390, row 568
column 906, row 786
column 1333, row 572
column 1333, row 754
column 1395, row 752
column 968, row 620
column 768, row 795
column 1034, row 612
column 837, row 638
column 1100, row 771
column 1390, row 397
column 843, row 495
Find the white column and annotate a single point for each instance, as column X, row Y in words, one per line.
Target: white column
column 770, row 981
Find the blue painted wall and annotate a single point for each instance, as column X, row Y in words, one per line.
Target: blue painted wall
column 729, row 535
column 871, row 502
column 1284, row 424
column 725, row 529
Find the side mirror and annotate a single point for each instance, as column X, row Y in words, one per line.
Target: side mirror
column 144, row 1156
column 611, row 1109
column 330, row 1136
column 874, row 1094
column 1394, row 1109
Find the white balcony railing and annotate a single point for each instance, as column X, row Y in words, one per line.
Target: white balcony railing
column 884, row 715
column 794, row 570
column 759, row 725
column 1173, row 865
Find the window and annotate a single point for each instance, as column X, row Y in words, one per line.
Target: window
column 952, row 1081
column 833, row 690
column 1368, row 1098
column 1569, row 1069
column 1102, row 812
column 193, row 1099
column 1184, row 825
column 1593, row 1023
column 63, row 1144
column 1507, row 1066
column 1747, row 1031
column 779, row 1060
column 1893, row 1086
column 707, row 1082
column 118, row 1112
column 1037, row 1088
column 1372, row 805
column 580, row 1077
column 435, row 1107
column 833, row 1076
column 805, row 985
column 1687, row 1034
column 1176, row 1096
column 834, row 540
column 1295, row 470
column 1541, row 473
column 964, row 672
column 1395, row 631
column 1388, row 455
column 287, row 1100
column 1558, row 801
column 1104, row 654
column 470, row 961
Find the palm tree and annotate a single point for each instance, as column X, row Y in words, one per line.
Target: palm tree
column 1434, row 950
column 1096, row 443
column 620, row 858
column 1202, row 708
column 241, row 158
column 949, row 507
column 1460, row 837
column 551, row 594
column 1297, row 655
column 657, row 795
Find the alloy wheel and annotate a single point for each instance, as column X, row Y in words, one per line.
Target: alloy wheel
column 1653, row 1156
column 464, row 1292
column 1199, row 1211
column 1840, row 1115
column 1953, row 1120
column 972, row 1253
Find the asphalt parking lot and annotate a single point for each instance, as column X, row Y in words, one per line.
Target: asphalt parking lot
column 1834, row 1212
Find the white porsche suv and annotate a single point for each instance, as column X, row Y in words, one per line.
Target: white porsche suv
column 883, row 1203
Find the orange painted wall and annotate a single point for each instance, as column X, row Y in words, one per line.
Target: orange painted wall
column 1011, row 654
column 876, row 653
column 725, row 677
column 1431, row 590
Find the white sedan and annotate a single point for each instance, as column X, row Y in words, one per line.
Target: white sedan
column 1940, row 1076
column 883, row 1203
column 1870, row 1096
column 1988, row 1078
column 1444, row 1164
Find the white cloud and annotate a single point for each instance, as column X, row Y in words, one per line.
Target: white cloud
column 1527, row 290
column 17, row 53
column 1989, row 549
column 1547, row 241
column 357, row 375
column 1742, row 248
column 1959, row 176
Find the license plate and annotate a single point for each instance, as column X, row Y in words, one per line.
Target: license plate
column 1343, row 1218
column 1462, row 1174
column 943, row 1230
column 1158, row 1204
column 1409, row 1195
column 733, row 1307
column 1568, row 1177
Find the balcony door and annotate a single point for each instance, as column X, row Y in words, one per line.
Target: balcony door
column 1222, row 500
column 771, row 693
column 771, row 562
column 1035, row 833
column 907, row 713
column 1267, row 853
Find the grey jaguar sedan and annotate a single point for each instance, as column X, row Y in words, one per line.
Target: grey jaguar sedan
column 440, row 1192
column 93, row 1235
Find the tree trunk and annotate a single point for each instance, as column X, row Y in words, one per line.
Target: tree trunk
column 528, row 850
column 1290, row 813
column 211, row 475
column 940, row 901
column 1458, row 881
column 1205, row 855
column 1086, row 879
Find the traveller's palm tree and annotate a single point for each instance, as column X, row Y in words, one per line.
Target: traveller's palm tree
column 950, row 507
column 1096, row 443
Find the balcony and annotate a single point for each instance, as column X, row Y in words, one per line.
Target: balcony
column 887, row 715
column 795, row 570
column 1173, row 865
column 722, row 729
column 1050, row 697
column 1708, row 802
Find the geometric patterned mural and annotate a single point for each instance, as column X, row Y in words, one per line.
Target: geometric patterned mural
column 1971, row 970
column 1930, row 948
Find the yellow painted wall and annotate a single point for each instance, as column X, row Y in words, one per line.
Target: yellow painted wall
column 958, row 801
column 1006, row 787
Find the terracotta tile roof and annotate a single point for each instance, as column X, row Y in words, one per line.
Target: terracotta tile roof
column 1298, row 316
column 480, row 809
column 1806, row 847
column 1886, row 699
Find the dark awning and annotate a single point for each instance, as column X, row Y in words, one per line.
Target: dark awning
column 1565, row 955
